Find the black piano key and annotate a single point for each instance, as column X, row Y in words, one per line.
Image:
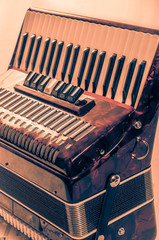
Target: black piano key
column 43, row 84
column 75, row 95
column 30, row 79
column 109, row 73
column 37, row 81
column 47, row 42
column 32, row 41
column 98, row 70
column 58, row 88
column 83, row 65
column 67, row 91
column 90, row 68
column 25, row 37
column 73, row 64
column 58, row 56
column 117, row 76
column 39, row 39
column 128, row 79
column 66, row 61
column 137, row 82
column 53, row 46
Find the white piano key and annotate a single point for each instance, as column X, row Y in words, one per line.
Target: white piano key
column 25, row 24
column 30, row 32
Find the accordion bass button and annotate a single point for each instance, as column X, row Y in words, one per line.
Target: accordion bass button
column 6, row 129
column 2, row 129
column 27, row 142
column 47, row 150
column 51, row 154
column 30, row 146
column 38, row 149
column 34, row 146
column 9, row 133
column 42, row 151
column 12, row 135
column 16, row 137
column 24, row 138
column 20, row 139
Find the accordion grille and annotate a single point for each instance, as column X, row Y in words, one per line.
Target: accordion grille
column 77, row 219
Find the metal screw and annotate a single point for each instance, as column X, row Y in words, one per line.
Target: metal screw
column 114, row 180
column 138, row 125
column 101, row 237
column 101, row 152
column 121, row 231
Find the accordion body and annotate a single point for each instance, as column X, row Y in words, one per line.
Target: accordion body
column 78, row 115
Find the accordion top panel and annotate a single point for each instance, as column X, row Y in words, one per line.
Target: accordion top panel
column 109, row 61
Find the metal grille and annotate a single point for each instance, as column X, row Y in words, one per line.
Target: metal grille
column 76, row 219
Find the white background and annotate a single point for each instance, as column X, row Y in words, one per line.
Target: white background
column 143, row 13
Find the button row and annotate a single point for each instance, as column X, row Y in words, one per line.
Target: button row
column 52, row 118
column 27, row 141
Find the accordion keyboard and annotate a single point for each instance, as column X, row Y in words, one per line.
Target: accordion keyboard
column 105, row 60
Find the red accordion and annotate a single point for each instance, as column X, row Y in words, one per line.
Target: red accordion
column 78, row 117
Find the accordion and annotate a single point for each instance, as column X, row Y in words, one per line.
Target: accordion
column 78, row 115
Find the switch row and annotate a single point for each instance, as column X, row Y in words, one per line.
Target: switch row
column 53, row 87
